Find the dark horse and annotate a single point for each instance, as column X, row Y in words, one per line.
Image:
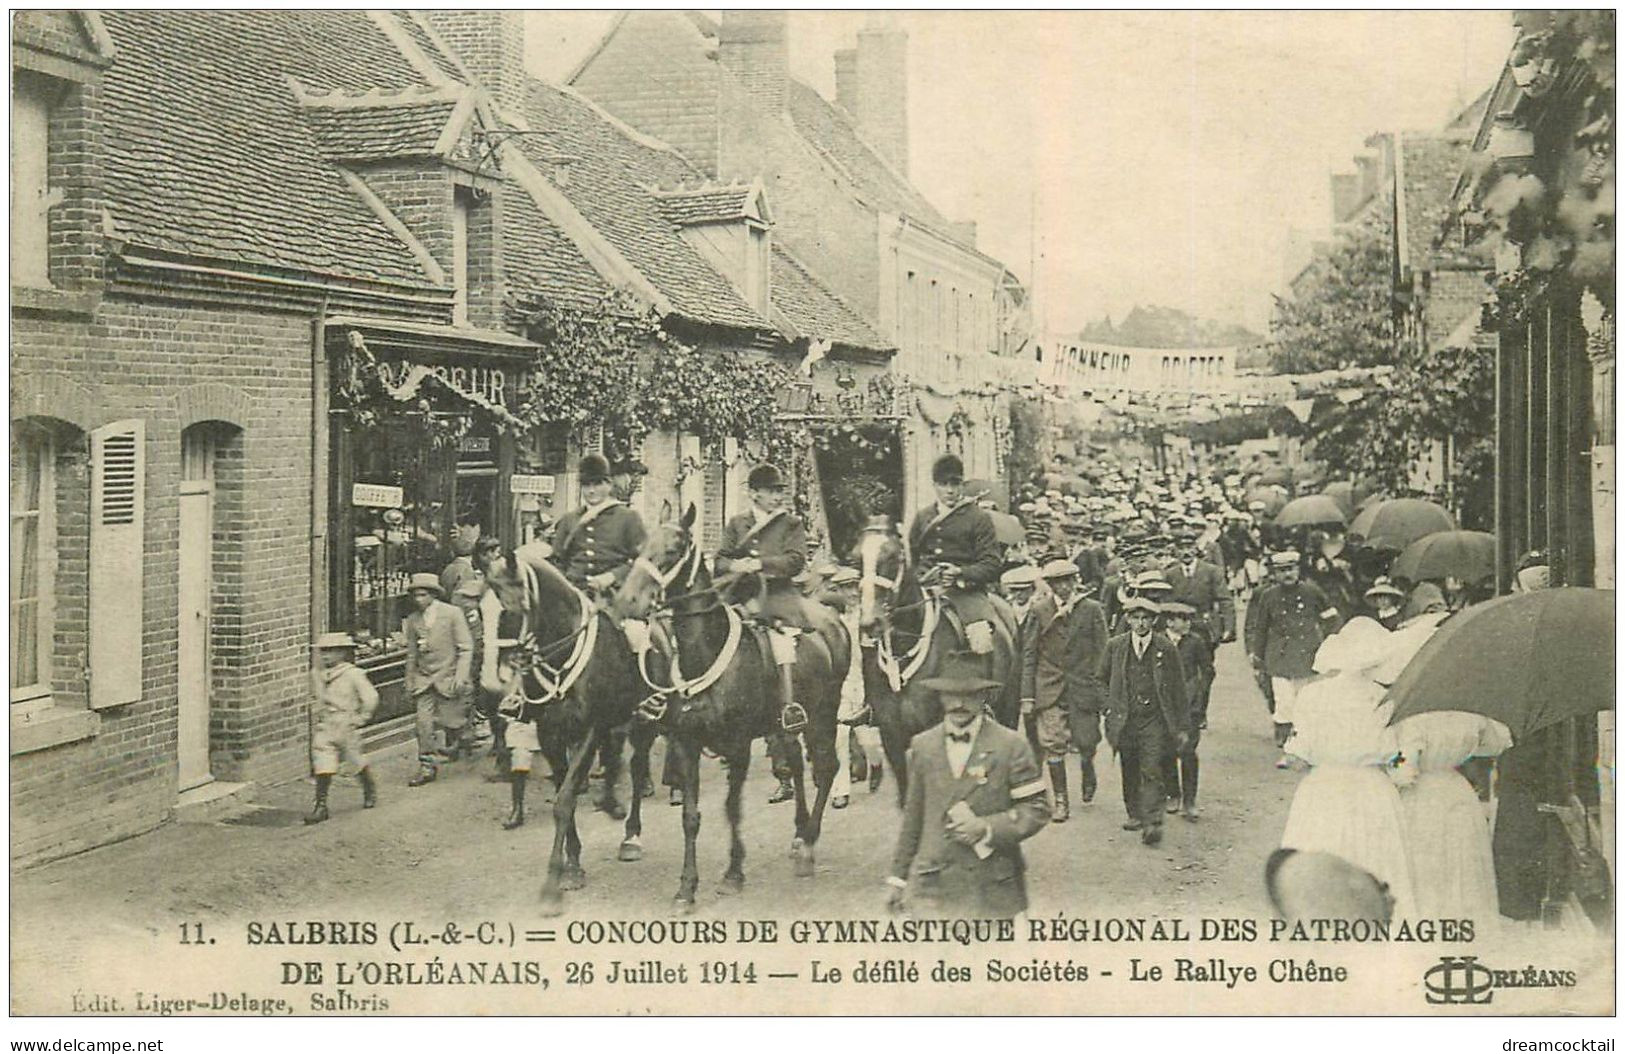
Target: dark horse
column 895, row 611
column 729, row 693
column 559, row 624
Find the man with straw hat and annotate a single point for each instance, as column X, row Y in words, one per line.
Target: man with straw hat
column 974, row 795
column 439, row 665
column 345, row 700
column 1146, row 713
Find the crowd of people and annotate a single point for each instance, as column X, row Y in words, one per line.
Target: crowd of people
column 1123, row 590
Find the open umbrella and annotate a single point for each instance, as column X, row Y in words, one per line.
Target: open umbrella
column 1274, row 499
column 1528, row 660
column 1342, row 492
column 1467, row 555
column 1007, row 530
column 1311, row 510
column 1397, row 522
column 1276, row 475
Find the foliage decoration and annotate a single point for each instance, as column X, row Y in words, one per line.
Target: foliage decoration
column 586, row 370
column 423, row 402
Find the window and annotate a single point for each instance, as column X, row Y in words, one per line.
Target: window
column 33, row 562
column 756, row 266
column 31, row 195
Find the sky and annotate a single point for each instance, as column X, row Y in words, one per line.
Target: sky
column 1130, row 158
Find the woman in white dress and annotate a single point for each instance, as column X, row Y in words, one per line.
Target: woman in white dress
column 1447, row 830
column 1348, row 805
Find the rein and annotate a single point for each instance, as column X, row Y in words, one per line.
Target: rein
column 554, row 681
column 654, row 707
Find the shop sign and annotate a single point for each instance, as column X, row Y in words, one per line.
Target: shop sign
column 532, row 484
column 487, row 382
column 376, row 496
column 474, row 445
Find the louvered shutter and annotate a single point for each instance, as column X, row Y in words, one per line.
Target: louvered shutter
column 117, row 492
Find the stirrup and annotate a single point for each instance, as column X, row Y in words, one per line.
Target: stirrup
column 653, row 708
column 793, row 718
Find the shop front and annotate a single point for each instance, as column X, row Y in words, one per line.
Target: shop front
column 423, row 450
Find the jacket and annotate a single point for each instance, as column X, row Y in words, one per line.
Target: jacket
column 607, row 542
column 1001, row 783
column 1172, row 701
column 1202, row 589
column 439, row 650
column 964, row 538
column 1061, row 655
column 1286, row 630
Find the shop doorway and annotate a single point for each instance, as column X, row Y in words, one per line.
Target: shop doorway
column 861, row 471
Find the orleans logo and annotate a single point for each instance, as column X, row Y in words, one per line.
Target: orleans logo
column 1459, row 979
column 1462, row 979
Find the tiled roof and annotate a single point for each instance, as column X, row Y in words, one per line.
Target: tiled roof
column 1432, row 164
column 705, row 204
column 395, row 128
column 408, row 21
column 815, row 311
column 208, row 154
column 608, row 175
column 540, row 260
column 830, row 130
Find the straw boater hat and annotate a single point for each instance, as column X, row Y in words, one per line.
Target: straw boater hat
column 426, row 580
column 335, row 639
column 1285, row 558
column 1384, row 587
column 1361, row 644
column 961, row 674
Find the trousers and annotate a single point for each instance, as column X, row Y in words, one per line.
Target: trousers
column 1141, row 749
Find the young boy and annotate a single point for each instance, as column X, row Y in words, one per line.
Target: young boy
column 345, row 699
column 1179, row 769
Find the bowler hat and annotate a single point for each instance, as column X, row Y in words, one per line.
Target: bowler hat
column 426, row 580
column 765, row 477
column 335, row 639
column 961, row 673
column 948, row 469
column 594, row 468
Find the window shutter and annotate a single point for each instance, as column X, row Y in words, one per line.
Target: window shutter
column 117, row 491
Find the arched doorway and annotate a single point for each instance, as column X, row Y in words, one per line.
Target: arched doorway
column 205, row 497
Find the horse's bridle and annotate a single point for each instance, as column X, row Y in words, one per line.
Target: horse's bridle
column 690, row 559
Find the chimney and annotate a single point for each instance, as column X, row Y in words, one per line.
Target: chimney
column 846, row 79
column 882, row 91
column 491, row 45
column 752, row 45
column 1345, row 196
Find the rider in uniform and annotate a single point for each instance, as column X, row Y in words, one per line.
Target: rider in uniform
column 953, row 545
column 595, row 545
column 766, row 548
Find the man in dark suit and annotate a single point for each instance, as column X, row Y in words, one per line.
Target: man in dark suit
column 974, row 795
column 1146, row 714
column 1060, row 678
column 1180, row 768
column 595, row 545
column 764, row 549
column 953, row 544
column 1201, row 584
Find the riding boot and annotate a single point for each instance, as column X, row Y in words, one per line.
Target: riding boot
column 369, row 789
column 1057, row 780
column 319, row 812
column 516, row 815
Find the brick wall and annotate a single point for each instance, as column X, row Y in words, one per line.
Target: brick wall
column 420, row 193
column 491, row 45
column 139, row 359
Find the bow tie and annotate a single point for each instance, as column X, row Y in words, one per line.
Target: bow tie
column 959, row 737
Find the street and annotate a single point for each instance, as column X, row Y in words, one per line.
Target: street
column 438, row 852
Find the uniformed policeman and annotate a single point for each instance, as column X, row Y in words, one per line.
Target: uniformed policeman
column 595, row 545
column 765, row 549
column 1293, row 618
column 953, row 544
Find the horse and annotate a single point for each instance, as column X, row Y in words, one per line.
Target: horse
column 913, row 633
column 582, row 684
column 725, row 693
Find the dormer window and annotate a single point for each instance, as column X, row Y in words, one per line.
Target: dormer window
column 731, row 227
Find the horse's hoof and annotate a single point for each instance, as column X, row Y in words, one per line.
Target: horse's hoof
column 613, row 809
column 682, row 905
column 796, row 846
column 731, row 884
column 573, row 878
column 631, row 852
column 805, row 865
column 552, row 905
